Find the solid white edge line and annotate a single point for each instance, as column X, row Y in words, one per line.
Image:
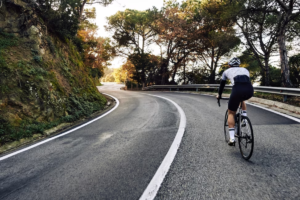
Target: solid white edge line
column 63, row 134
column 155, row 183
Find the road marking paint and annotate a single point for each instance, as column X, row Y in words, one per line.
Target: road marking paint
column 63, row 134
column 154, row 185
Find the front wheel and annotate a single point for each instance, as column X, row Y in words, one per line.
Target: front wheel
column 246, row 138
column 226, row 131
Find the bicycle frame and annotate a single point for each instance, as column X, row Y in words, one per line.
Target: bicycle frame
column 245, row 138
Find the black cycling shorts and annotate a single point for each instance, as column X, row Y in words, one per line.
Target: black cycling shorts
column 240, row 92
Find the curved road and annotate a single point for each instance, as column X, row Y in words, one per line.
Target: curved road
column 117, row 156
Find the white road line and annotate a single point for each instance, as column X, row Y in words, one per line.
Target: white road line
column 70, row 131
column 164, row 167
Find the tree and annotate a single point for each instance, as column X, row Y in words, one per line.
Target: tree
column 97, row 53
column 259, row 30
column 289, row 12
column 250, row 62
column 277, row 20
column 82, row 3
column 134, row 31
column 179, row 34
column 125, row 72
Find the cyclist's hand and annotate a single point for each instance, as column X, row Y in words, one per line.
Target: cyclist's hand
column 217, row 97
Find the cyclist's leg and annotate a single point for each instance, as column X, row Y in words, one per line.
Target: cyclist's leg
column 244, row 108
column 247, row 94
column 233, row 105
column 231, row 118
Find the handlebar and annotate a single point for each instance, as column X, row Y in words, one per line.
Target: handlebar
column 219, row 101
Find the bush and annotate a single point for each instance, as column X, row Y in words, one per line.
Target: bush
column 51, row 45
column 37, row 59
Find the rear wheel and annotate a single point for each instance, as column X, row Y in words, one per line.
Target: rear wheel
column 246, row 138
column 226, row 131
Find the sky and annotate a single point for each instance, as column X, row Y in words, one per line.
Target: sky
column 120, row 5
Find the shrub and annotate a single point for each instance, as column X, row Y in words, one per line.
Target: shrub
column 51, row 45
column 37, row 59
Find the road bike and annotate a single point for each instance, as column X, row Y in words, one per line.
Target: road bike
column 243, row 132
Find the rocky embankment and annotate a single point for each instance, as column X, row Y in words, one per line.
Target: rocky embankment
column 43, row 81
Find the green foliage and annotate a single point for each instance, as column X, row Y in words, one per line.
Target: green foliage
column 294, row 64
column 37, row 58
column 78, row 43
column 79, row 107
column 96, row 72
column 275, row 76
column 130, row 24
column 197, row 76
column 64, row 24
column 6, row 40
column 143, row 63
column 51, row 45
column 249, row 61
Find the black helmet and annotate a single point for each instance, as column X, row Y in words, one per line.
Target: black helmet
column 234, row 62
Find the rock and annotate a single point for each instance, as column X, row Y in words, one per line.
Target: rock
column 35, row 35
column 36, row 136
column 42, row 51
column 53, row 130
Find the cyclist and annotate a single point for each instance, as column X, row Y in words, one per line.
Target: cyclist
column 242, row 90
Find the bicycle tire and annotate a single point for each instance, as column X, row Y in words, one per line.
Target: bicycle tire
column 246, row 138
column 226, row 131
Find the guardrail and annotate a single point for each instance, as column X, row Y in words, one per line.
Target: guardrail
column 273, row 90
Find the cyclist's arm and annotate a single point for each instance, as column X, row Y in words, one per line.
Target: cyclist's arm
column 222, row 85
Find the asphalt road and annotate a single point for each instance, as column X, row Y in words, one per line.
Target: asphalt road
column 205, row 167
column 116, row 156
column 112, row 158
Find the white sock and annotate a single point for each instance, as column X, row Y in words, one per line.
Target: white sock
column 231, row 133
column 244, row 113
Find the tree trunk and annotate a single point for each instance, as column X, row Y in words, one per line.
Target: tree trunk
column 267, row 72
column 81, row 9
column 184, row 72
column 212, row 77
column 163, row 66
column 174, row 73
column 285, row 70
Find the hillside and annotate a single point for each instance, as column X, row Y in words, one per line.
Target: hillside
column 43, row 80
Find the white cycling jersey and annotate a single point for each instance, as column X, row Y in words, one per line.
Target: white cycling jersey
column 233, row 72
